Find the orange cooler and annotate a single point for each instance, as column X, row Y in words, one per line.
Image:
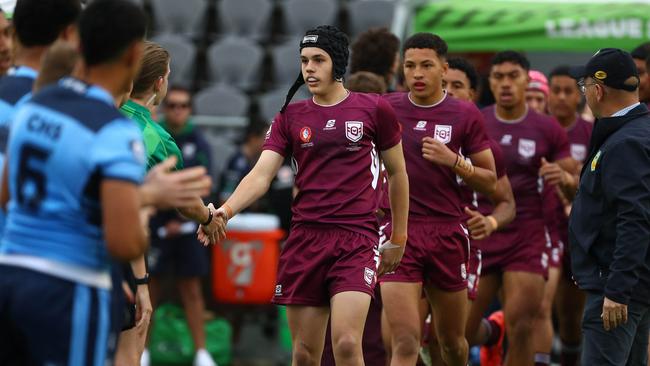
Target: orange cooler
column 244, row 266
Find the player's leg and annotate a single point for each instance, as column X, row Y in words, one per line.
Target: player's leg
column 349, row 311
column 192, row 297
column 307, row 325
column 192, row 264
column 449, row 311
column 570, row 303
column 478, row 329
column 543, row 337
column 523, row 292
column 386, row 336
column 401, row 308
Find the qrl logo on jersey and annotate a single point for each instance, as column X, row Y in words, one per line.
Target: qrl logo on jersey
column 526, row 148
column 578, row 152
column 421, row 126
column 369, row 276
column 354, row 130
column 305, row 134
column 442, row 133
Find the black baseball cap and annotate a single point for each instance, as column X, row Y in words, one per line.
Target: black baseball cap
column 610, row 66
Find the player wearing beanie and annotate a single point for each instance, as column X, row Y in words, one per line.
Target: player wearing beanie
column 328, row 265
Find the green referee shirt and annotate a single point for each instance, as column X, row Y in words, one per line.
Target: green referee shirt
column 158, row 143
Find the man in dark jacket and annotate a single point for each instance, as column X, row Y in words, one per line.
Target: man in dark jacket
column 609, row 230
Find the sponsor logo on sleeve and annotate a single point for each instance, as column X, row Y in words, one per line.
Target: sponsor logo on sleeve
column 268, row 132
column 278, row 290
column 137, row 147
column 442, row 133
column 354, row 130
column 578, row 152
column 526, row 148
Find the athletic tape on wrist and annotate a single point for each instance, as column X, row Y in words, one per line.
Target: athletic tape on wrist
column 493, row 222
column 464, row 165
column 228, row 211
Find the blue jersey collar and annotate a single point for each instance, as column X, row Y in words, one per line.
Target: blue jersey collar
column 23, row 71
column 91, row 91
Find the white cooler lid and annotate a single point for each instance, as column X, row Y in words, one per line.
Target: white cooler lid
column 254, row 222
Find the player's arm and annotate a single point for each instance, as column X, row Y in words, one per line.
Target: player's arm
column 479, row 175
column 165, row 188
column 398, row 193
column 480, row 227
column 254, row 185
column 4, row 190
column 120, row 201
column 482, row 176
column 563, row 173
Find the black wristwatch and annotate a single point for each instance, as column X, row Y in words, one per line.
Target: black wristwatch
column 142, row 281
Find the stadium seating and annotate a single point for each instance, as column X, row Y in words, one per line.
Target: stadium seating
column 369, row 13
column 185, row 17
column 221, row 100
column 302, row 15
column 183, row 57
column 246, row 18
column 236, row 61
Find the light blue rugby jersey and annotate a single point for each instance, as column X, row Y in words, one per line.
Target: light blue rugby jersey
column 63, row 143
column 15, row 89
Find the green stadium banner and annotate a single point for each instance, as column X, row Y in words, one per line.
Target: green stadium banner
column 495, row 25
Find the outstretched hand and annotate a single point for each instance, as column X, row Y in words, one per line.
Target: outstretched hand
column 177, row 189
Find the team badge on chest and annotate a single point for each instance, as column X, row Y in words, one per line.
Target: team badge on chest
column 305, row 134
column 354, row 130
column 578, row 152
column 442, row 133
column 526, row 148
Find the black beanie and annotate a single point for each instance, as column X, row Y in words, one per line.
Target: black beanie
column 331, row 40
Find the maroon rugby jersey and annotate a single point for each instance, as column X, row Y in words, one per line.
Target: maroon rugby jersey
column 556, row 219
column 524, row 143
column 434, row 190
column 334, row 150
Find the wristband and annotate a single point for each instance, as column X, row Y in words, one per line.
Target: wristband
column 209, row 220
column 464, row 165
column 493, row 222
column 142, row 281
column 228, row 210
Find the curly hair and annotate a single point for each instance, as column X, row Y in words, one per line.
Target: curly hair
column 374, row 50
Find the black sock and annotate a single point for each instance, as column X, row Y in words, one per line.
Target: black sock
column 570, row 354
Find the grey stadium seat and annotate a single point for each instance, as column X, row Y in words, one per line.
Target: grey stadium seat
column 185, row 17
column 302, row 15
column 286, row 62
column 183, row 57
column 221, row 100
column 246, row 18
column 370, row 13
column 236, row 61
column 270, row 103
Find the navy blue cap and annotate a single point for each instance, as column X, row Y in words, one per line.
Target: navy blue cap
column 610, row 66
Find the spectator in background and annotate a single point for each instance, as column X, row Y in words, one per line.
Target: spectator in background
column 377, row 50
column 241, row 162
column 6, row 44
column 174, row 247
column 640, row 54
column 461, row 79
column 537, row 91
